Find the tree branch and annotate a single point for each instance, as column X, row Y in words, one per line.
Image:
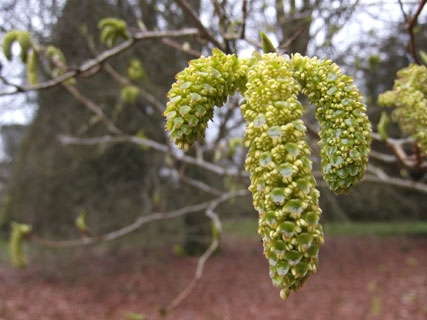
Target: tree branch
column 412, row 163
column 156, row 146
column 410, row 24
column 187, row 9
column 92, row 107
column 244, row 16
column 139, row 222
column 104, row 56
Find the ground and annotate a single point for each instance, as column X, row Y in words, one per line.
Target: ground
column 358, row 278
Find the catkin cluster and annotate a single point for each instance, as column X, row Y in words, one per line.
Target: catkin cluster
column 409, row 95
column 283, row 187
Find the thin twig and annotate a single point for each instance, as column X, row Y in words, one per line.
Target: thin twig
column 284, row 48
column 405, row 16
column 244, row 16
column 125, row 81
column 199, row 184
column 396, row 146
column 180, row 47
column 156, row 146
column 92, row 107
column 410, row 24
column 208, row 253
column 187, row 9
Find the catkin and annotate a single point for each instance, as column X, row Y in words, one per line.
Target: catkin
column 344, row 126
column 284, row 190
column 409, row 96
column 205, row 83
column 19, row 231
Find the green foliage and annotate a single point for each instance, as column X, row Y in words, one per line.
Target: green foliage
column 24, row 40
column 19, row 231
column 111, row 29
column 409, row 96
column 283, row 187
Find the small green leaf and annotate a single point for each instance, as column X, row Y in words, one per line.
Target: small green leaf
column 267, row 46
column 81, row 222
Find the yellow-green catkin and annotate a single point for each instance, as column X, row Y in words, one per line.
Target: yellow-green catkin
column 136, row 71
column 409, row 96
column 24, row 40
column 205, row 83
column 282, row 185
column 32, row 68
column 111, row 29
column 129, row 94
column 19, row 231
column 344, row 126
column 8, row 39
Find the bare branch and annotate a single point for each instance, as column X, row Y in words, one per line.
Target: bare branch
column 379, row 176
column 139, row 222
column 93, row 63
column 187, row 9
column 208, row 253
column 386, row 158
column 244, row 16
column 92, row 107
column 223, row 23
column 125, row 81
column 410, row 24
column 200, row 185
column 180, row 47
column 397, row 182
column 405, row 16
column 156, row 146
column 413, row 163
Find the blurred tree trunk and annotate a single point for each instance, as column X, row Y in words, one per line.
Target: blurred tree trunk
column 295, row 21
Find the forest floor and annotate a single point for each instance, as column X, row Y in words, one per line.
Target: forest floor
column 358, row 278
